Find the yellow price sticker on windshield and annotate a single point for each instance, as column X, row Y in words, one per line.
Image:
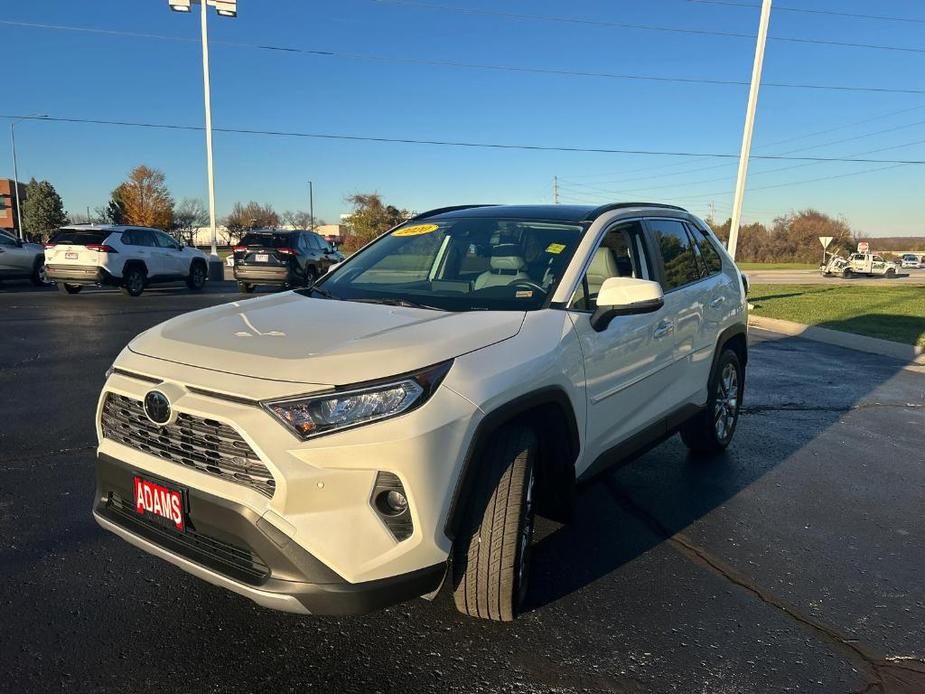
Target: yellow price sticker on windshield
column 417, row 230
column 555, row 248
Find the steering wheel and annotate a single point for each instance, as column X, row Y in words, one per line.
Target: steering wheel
column 527, row 283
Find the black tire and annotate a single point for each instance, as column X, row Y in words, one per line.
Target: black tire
column 133, row 281
column 245, row 287
column 712, row 430
column 491, row 551
column 39, row 278
column 196, row 279
column 891, row 273
column 847, row 274
column 310, row 276
column 69, row 288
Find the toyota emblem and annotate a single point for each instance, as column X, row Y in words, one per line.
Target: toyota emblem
column 157, row 407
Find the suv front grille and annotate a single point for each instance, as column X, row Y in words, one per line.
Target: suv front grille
column 227, row 559
column 203, row 444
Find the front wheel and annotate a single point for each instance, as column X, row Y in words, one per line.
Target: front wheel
column 310, row 276
column 711, row 430
column 245, row 287
column 196, row 279
column 492, row 550
column 39, row 275
column 891, row 273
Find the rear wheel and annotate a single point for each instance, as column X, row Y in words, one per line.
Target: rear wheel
column 245, row 287
column 196, row 279
column 69, row 288
column 492, row 550
column 891, row 273
column 847, row 274
column 39, row 275
column 133, row 281
column 310, row 276
column 711, row 430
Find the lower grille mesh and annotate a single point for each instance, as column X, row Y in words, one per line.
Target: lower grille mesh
column 203, row 444
column 227, row 559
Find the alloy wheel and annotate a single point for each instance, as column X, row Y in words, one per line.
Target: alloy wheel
column 726, row 402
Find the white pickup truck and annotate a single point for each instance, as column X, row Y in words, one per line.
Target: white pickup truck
column 858, row 264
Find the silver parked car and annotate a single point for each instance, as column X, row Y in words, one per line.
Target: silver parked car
column 21, row 260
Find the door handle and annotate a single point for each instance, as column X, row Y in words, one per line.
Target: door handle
column 718, row 301
column 663, row 329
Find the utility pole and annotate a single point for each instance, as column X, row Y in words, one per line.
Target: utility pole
column 555, row 190
column 749, row 127
column 712, row 210
column 311, row 204
column 16, row 180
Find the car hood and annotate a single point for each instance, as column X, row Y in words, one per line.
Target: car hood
column 293, row 338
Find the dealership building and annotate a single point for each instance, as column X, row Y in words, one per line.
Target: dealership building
column 8, row 204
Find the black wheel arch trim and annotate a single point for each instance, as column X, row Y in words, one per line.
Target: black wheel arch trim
column 498, row 417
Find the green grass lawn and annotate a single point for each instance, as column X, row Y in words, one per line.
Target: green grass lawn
column 890, row 313
column 777, row 266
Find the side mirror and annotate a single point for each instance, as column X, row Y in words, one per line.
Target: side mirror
column 625, row 296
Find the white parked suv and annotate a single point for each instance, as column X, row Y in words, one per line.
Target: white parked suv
column 351, row 445
column 129, row 257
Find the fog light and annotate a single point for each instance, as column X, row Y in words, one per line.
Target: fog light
column 391, row 503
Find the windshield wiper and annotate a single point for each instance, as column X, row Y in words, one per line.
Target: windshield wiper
column 325, row 293
column 399, row 302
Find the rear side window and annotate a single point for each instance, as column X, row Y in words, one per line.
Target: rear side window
column 268, row 240
column 675, row 246
column 138, row 237
column 80, row 237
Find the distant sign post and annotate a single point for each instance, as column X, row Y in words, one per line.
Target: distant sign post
column 825, row 241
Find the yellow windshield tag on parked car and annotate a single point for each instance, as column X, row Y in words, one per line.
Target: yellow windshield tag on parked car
column 555, row 248
column 523, row 294
column 417, row 230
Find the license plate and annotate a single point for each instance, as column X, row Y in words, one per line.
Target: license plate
column 262, row 258
column 158, row 502
column 70, row 255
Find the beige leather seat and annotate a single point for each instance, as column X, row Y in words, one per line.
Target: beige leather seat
column 506, row 267
column 603, row 266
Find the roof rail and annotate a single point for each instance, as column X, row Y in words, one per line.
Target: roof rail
column 598, row 211
column 453, row 208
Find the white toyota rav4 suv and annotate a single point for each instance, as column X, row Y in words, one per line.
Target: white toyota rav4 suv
column 351, row 445
column 124, row 256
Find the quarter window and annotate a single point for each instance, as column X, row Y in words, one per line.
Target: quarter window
column 678, row 257
column 708, row 252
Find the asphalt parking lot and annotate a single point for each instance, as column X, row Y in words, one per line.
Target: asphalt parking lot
column 795, row 562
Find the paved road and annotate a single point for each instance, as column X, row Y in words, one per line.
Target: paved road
column 793, row 563
column 906, row 278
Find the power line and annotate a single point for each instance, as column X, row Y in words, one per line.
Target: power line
column 452, row 143
column 641, row 27
column 560, row 72
column 806, row 10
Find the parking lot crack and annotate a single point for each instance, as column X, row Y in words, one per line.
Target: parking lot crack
column 800, row 407
column 888, row 675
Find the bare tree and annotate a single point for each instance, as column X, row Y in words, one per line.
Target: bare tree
column 188, row 216
column 299, row 219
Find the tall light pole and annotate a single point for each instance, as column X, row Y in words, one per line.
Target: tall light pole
column 225, row 8
column 16, row 168
column 749, row 127
column 311, row 204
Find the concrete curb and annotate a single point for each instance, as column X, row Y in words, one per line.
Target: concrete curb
column 861, row 343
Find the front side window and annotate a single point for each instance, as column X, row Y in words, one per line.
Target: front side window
column 166, row 241
column 460, row 264
column 617, row 256
column 678, row 257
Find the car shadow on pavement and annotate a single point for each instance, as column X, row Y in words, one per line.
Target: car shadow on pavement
column 904, row 329
column 668, row 489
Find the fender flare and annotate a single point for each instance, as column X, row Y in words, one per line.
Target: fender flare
column 501, row 415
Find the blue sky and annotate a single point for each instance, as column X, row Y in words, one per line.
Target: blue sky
column 132, row 78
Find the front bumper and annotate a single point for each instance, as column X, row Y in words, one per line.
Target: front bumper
column 321, row 500
column 260, row 274
column 83, row 275
column 229, row 545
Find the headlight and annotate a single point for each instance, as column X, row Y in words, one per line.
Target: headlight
column 352, row 406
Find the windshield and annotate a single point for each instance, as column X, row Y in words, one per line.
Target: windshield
column 460, row 264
